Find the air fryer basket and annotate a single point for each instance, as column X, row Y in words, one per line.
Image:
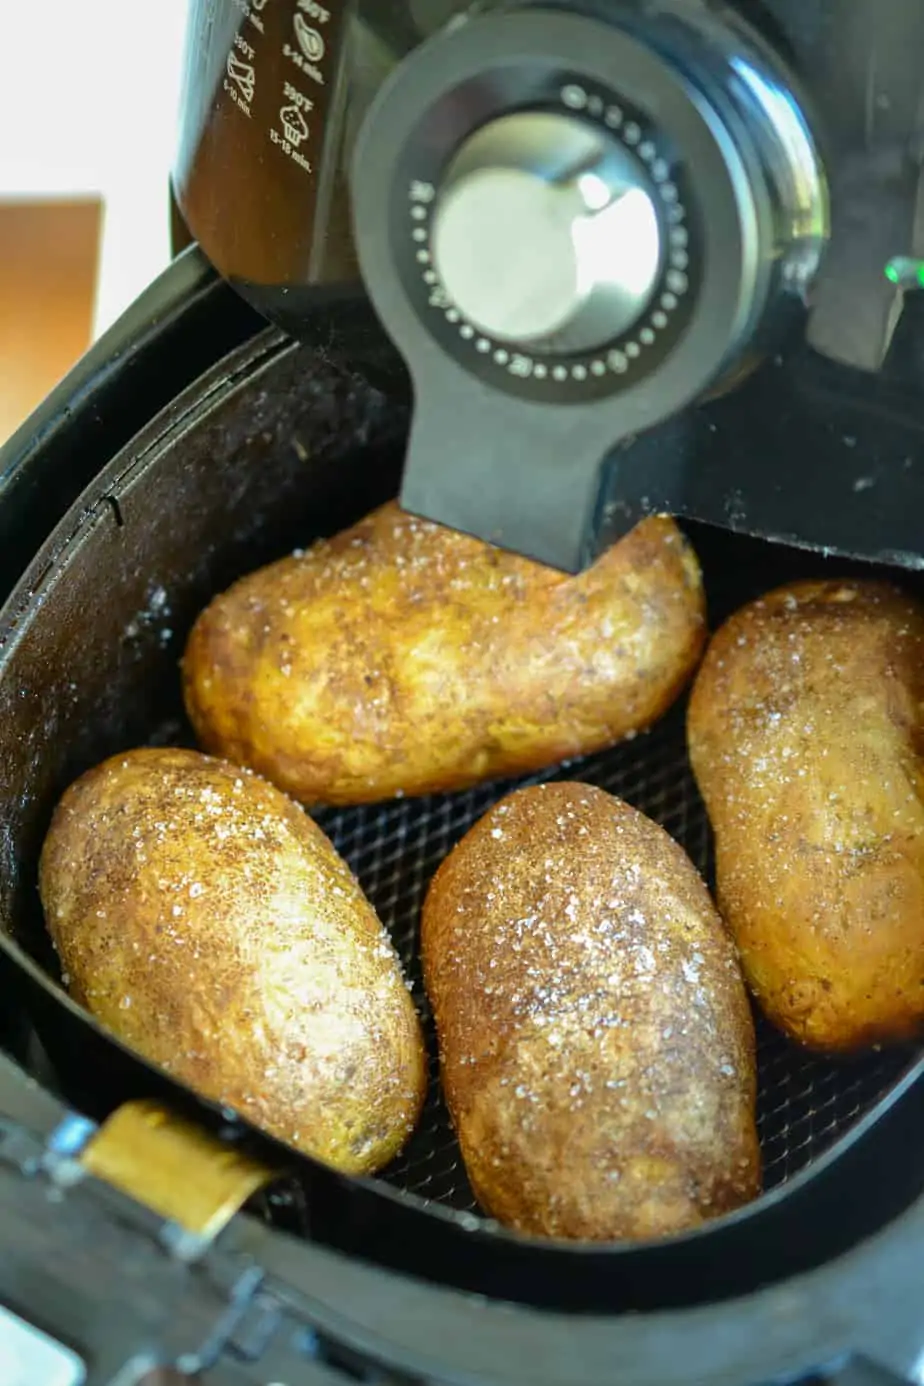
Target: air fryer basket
column 276, row 446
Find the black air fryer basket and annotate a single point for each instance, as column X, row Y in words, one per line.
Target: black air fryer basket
column 188, row 479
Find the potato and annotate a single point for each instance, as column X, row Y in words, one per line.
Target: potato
column 209, row 923
column 804, row 731
column 596, row 1040
column 405, row 658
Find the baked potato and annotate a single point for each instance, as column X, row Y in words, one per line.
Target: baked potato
column 210, row 924
column 401, row 658
column 805, row 735
column 596, row 1041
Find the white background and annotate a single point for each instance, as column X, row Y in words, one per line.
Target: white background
column 89, row 92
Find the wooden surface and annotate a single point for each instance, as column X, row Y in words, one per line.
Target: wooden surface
column 48, row 260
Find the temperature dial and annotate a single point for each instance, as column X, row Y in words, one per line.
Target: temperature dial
column 546, row 233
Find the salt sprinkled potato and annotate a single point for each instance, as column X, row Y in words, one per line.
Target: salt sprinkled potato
column 805, row 735
column 208, row 922
column 596, row 1040
column 404, row 658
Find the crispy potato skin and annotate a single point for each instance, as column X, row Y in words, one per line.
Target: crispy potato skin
column 401, row 657
column 210, row 924
column 804, row 733
column 596, row 1039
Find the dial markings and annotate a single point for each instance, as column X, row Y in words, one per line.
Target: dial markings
column 619, row 359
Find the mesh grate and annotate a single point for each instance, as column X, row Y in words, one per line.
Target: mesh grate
column 804, row 1102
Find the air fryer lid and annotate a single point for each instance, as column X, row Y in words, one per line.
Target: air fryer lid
column 277, row 445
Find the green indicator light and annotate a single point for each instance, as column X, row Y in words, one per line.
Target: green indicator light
column 905, row 272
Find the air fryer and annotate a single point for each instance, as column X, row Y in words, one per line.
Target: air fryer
column 195, row 443
column 577, row 221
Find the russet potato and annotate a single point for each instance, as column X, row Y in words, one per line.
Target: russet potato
column 205, row 919
column 401, row 657
column 596, row 1041
column 806, row 732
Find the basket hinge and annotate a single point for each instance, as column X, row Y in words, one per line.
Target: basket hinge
column 192, row 1185
column 175, row 1169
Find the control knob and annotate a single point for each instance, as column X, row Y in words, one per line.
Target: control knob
column 575, row 223
column 546, row 233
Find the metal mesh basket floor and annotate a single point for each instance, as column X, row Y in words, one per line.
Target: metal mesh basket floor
column 804, row 1102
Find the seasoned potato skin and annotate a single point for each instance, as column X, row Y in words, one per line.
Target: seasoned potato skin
column 401, row 657
column 805, row 736
column 210, row 924
column 596, row 1040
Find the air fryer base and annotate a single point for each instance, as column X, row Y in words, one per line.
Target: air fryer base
column 102, row 1276
column 273, row 446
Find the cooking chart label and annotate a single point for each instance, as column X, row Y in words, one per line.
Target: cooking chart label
column 309, row 45
column 252, row 10
column 292, row 127
column 240, row 74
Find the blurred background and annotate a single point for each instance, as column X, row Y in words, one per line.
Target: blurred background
column 88, row 106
